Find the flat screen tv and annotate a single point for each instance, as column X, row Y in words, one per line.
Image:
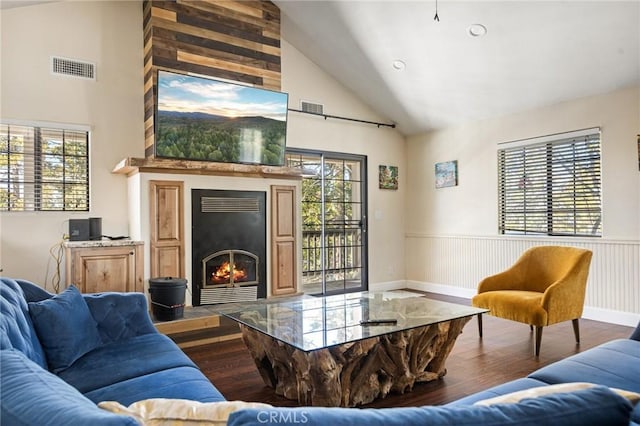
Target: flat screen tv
column 203, row 119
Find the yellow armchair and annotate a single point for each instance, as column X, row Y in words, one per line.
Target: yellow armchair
column 545, row 286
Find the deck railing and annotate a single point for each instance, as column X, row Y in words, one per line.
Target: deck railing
column 342, row 249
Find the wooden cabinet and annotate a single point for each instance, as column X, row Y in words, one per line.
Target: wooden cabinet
column 283, row 240
column 98, row 266
column 167, row 228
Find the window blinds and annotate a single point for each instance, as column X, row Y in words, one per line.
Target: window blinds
column 551, row 186
column 43, row 169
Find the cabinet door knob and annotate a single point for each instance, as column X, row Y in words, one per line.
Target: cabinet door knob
column 131, row 253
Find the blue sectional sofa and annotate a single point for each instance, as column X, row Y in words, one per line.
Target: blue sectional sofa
column 608, row 368
column 63, row 354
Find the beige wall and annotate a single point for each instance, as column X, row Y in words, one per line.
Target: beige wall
column 452, row 233
column 110, row 35
column 471, row 207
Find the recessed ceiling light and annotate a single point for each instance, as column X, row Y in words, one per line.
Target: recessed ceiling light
column 476, row 30
column 398, row 65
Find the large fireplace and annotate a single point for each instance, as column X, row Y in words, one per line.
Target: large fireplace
column 228, row 246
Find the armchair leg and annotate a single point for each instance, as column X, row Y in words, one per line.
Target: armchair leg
column 480, row 325
column 538, row 340
column 576, row 330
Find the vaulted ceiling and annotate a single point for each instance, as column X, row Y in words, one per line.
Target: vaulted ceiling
column 534, row 53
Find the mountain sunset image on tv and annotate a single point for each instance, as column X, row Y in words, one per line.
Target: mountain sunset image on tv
column 203, row 119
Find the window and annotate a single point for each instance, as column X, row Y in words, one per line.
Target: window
column 43, row 169
column 551, row 185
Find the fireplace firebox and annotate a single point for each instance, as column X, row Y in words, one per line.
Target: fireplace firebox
column 230, row 267
column 228, row 246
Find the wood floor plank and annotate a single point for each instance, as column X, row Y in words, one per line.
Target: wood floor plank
column 504, row 353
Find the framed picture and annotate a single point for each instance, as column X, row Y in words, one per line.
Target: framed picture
column 388, row 177
column 446, row 174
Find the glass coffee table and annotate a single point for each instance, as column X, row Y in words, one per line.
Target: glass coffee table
column 349, row 349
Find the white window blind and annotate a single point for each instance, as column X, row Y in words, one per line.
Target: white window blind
column 43, row 169
column 551, row 185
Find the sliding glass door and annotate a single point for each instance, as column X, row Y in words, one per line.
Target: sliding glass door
column 334, row 228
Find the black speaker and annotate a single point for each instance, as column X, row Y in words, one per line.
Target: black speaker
column 95, row 228
column 78, row 229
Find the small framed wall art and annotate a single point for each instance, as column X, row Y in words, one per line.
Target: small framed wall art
column 388, row 177
column 447, row 174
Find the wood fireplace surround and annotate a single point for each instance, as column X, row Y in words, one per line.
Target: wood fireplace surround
column 164, row 186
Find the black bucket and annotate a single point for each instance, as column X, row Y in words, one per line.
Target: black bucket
column 167, row 297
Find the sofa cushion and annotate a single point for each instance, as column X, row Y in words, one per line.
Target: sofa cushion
column 120, row 316
column 65, row 327
column 499, row 390
column 590, row 407
column 171, row 412
column 16, row 328
column 174, row 383
column 123, row 360
column 33, row 292
column 615, row 364
column 636, row 333
column 30, row 395
column 536, row 392
column 635, row 415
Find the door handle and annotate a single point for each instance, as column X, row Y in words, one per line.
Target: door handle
column 363, row 224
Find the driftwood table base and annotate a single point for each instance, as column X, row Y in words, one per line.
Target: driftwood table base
column 358, row 372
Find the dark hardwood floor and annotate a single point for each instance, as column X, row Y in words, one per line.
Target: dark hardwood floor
column 504, row 353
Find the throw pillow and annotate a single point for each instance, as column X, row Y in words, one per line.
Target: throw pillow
column 515, row 397
column 176, row 412
column 65, row 328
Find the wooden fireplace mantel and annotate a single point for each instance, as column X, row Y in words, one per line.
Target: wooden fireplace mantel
column 131, row 165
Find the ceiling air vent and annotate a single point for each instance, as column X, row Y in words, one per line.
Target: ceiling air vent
column 311, row 107
column 73, row 68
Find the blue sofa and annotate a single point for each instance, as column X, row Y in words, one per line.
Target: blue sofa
column 612, row 366
column 61, row 355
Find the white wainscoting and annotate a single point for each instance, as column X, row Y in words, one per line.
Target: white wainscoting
column 455, row 264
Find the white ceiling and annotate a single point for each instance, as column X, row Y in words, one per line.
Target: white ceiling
column 10, row 4
column 535, row 53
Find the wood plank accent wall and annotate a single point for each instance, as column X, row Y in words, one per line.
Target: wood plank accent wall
column 231, row 39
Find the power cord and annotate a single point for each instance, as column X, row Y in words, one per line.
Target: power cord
column 56, row 252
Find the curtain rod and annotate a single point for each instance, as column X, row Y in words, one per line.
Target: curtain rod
column 375, row 123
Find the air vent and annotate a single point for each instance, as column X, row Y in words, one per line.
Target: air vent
column 229, row 205
column 212, row 296
column 311, row 107
column 73, row 68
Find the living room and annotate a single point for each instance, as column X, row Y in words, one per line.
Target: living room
column 413, row 230
column 439, row 240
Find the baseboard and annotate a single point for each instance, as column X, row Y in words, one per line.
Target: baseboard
column 389, row 285
column 614, row 317
column 449, row 290
column 596, row 314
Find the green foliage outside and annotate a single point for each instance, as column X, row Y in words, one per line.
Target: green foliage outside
column 43, row 169
column 341, row 225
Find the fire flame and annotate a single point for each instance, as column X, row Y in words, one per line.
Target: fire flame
column 225, row 272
